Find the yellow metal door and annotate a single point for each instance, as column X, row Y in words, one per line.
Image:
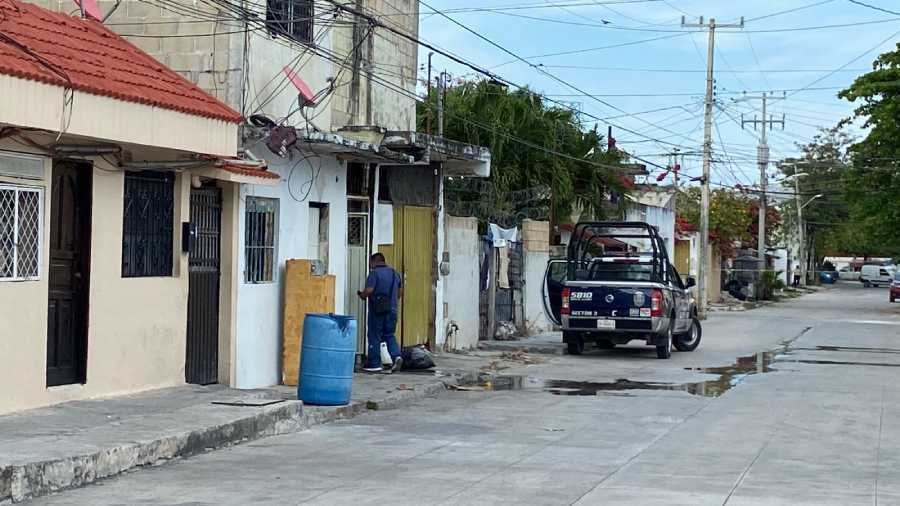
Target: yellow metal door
column 683, row 257
column 393, row 256
column 418, row 262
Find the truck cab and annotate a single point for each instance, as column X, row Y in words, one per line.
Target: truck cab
column 617, row 285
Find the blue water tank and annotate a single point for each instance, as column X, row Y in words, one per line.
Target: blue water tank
column 326, row 359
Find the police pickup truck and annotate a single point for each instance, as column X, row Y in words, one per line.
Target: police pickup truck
column 617, row 285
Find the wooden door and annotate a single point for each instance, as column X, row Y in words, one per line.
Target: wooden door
column 70, row 246
column 202, row 355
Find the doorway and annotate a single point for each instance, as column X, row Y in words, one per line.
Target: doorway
column 69, row 279
column 204, row 260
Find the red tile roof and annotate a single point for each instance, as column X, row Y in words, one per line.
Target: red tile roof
column 96, row 60
column 243, row 170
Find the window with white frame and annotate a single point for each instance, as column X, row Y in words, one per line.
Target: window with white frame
column 20, row 232
column 260, row 229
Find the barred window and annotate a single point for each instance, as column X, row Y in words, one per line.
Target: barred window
column 260, row 228
column 21, row 211
column 148, row 224
column 291, row 18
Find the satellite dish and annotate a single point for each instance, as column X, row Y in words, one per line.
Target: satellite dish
column 307, row 97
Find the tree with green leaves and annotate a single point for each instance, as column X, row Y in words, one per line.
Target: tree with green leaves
column 541, row 155
column 872, row 183
column 730, row 216
column 822, row 170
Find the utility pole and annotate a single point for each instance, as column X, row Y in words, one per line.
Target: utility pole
column 440, row 103
column 762, row 159
column 430, row 112
column 702, row 295
column 800, row 228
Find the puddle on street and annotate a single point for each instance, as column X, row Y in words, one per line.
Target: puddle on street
column 727, row 377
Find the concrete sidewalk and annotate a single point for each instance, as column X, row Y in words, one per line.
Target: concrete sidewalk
column 69, row 445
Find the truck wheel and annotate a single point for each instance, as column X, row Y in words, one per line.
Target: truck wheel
column 691, row 339
column 576, row 347
column 574, row 343
column 665, row 350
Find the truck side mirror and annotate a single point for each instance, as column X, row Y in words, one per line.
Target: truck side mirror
column 690, row 282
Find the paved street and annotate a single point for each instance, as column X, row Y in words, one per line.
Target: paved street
column 814, row 421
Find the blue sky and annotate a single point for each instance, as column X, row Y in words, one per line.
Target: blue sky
column 669, row 73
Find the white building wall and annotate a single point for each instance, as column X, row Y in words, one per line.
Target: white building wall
column 260, row 306
column 462, row 285
column 663, row 218
column 535, row 268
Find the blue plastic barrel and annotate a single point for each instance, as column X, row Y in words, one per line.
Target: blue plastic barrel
column 326, row 359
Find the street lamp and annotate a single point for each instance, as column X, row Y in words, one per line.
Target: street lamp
column 800, row 228
column 808, row 202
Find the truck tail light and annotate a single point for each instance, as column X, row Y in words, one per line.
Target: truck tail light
column 656, row 302
column 564, row 308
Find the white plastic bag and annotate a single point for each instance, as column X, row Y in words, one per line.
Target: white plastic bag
column 386, row 355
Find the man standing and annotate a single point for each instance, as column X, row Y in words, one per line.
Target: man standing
column 796, row 276
column 384, row 287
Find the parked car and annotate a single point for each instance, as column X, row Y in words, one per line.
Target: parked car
column 895, row 287
column 617, row 285
column 828, row 278
column 876, row 275
column 848, row 273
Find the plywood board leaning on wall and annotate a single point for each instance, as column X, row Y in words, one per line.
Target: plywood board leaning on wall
column 303, row 294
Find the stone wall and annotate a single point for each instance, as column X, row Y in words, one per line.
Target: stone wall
column 393, row 62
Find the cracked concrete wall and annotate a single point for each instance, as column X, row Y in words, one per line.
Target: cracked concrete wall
column 394, row 63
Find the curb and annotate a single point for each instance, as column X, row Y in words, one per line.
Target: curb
column 539, row 349
column 19, row 482
column 35, row 479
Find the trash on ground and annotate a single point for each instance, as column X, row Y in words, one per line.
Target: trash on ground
column 520, row 356
column 417, row 358
column 468, row 388
column 505, row 331
column 495, row 365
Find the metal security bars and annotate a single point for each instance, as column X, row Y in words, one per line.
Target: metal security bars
column 291, row 18
column 261, row 226
column 21, row 209
column 147, row 224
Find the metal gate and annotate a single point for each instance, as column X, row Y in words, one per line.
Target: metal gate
column 357, row 271
column 508, row 300
column 202, row 357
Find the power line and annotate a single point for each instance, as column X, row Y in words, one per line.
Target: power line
column 851, row 62
column 600, row 48
column 490, row 74
column 698, row 71
column 660, row 30
column 875, row 7
column 788, row 11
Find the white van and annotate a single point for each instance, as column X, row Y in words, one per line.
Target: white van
column 876, row 275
